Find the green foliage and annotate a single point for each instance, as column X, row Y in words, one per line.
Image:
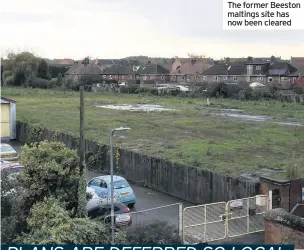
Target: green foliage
column 294, row 167
column 6, row 74
column 86, row 60
column 57, row 69
column 22, row 66
column 59, row 79
column 50, row 170
column 99, row 159
column 13, row 218
column 39, row 83
column 43, row 70
column 154, row 233
column 9, row 80
column 50, row 223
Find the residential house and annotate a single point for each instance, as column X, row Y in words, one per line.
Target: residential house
column 143, row 73
column 77, row 71
column 275, row 72
column 59, row 62
column 185, row 71
column 107, row 63
column 298, row 63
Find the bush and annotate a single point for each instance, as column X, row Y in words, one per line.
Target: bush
column 39, row 83
column 50, row 223
column 130, row 89
column 154, row 233
column 9, row 80
column 50, row 170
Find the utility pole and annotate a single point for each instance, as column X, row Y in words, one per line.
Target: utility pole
column 82, row 153
column 82, row 203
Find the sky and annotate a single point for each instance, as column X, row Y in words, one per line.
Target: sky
column 119, row 28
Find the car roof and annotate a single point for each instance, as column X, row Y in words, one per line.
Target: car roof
column 107, row 178
column 10, row 165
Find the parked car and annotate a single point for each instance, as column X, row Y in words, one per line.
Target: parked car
column 122, row 214
column 122, row 190
column 7, row 152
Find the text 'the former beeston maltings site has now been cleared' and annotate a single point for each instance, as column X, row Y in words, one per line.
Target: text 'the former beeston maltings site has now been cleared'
column 263, row 14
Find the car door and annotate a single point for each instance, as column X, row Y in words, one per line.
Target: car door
column 98, row 185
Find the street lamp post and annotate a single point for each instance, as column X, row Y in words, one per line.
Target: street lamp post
column 112, row 186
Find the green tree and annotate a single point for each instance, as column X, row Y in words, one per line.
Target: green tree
column 50, row 223
column 43, row 70
column 86, row 60
column 23, row 66
column 51, row 170
column 59, row 79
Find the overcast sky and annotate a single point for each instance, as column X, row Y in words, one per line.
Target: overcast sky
column 120, row 28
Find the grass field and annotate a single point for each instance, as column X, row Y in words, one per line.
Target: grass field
column 189, row 135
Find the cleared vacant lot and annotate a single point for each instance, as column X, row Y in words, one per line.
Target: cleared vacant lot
column 193, row 134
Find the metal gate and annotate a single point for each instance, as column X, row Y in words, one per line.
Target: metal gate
column 217, row 221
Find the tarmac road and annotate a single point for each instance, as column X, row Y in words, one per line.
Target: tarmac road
column 145, row 199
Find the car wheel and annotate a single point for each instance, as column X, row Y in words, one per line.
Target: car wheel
column 131, row 205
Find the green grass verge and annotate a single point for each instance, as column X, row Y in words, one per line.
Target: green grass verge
column 189, row 136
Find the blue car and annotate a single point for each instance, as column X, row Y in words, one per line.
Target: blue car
column 122, row 190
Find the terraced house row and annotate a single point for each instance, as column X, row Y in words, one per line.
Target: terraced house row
column 191, row 70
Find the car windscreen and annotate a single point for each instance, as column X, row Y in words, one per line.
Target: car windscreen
column 6, row 148
column 120, row 184
column 15, row 169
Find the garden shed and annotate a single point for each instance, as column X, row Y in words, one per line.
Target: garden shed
column 8, row 119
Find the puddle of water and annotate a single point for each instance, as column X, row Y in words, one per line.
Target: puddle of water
column 137, row 107
column 258, row 118
column 246, row 117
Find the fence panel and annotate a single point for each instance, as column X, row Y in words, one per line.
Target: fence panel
column 204, row 223
column 245, row 216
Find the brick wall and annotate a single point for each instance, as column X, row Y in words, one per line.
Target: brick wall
column 296, row 192
column 284, row 189
column 284, row 228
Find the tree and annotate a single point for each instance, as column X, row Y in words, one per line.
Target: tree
column 86, row 60
column 23, row 66
column 50, row 223
column 59, row 79
column 43, row 70
column 50, row 170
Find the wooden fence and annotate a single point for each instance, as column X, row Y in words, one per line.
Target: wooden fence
column 187, row 183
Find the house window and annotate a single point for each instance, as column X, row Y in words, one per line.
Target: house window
column 258, row 68
column 98, row 85
column 283, row 78
column 205, row 77
column 130, row 77
column 152, row 77
column 294, row 79
column 174, row 76
column 235, row 79
column 225, row 78
column 249, row 69
column 104, row 77
column 269, row 79
column 197, row 77
column 122, row 77
column 188, row 77
column 145, row 78
column 215, row 78
column 162, row 77
column 183, row 77
column 110, row 76
column 261, row 78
